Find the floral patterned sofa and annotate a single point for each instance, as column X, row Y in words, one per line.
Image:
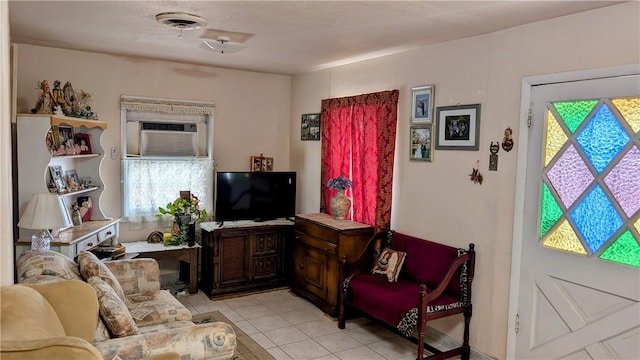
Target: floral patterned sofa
column 137, row 318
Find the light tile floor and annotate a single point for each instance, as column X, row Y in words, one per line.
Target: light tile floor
column 289, row 327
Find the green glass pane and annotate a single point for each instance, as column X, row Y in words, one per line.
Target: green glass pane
column 625, row 250
column 555, row 138
column 564, row 238
column 551, row 211
column 573, row 113
column 629, row 108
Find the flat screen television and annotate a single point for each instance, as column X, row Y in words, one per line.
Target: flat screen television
column 257, row 196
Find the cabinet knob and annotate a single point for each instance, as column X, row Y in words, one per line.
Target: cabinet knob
column 89, row 244
column 301, row 266
column 108, row 233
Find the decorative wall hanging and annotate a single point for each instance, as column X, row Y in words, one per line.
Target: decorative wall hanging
column 475, row 175
column 458, row 127
column 507, row 142
column 261, row 163
column 310, row 127
column 422, row 104
column 421, row 139
column 493, row 158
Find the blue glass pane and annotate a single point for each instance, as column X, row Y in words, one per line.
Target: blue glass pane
column 596, row 218
column 602, row 138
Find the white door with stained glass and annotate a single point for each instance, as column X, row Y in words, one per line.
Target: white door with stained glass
column 579, row 290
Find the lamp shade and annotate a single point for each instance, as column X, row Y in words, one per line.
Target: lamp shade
column 45, row 211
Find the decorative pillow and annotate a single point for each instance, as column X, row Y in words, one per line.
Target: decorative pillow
column 113, row 311
column 389, row 264
column 91, row 266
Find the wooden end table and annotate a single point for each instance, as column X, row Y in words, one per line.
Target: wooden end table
column 158, row 251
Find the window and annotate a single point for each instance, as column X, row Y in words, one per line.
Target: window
column 590, row 194
column 167, row 147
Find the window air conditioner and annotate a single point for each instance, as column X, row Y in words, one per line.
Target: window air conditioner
column 168, row 139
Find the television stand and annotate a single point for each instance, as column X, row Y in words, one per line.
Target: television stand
column 245, row 255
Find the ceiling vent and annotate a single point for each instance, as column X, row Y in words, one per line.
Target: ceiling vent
column 181, row 21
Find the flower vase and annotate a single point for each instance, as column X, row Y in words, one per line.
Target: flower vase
column 340, row 205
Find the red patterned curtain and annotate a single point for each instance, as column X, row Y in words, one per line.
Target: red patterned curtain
column 358, row 142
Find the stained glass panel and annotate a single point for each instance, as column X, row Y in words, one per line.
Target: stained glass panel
column 569, row 176
column 625, row 250
column 602, row 138
column 624, row 182
column 555, row 138
column 551, row 211
column 630, row 110
column 573, row 113
column 564, row 238
column 596, row 219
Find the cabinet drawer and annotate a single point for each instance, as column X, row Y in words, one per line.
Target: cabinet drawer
column 318, row 231
column 107, row 233
column 86, row 244
column 321, row 245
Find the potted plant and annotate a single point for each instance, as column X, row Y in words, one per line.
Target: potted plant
column 340, row 203
column 186, row 213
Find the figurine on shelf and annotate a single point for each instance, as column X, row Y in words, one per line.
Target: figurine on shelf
column 70, row 99
column 45, row 102
column 85, row 208
column 84, row 106
column 58, row 98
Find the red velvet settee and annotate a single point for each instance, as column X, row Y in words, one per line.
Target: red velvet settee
column 434, row 282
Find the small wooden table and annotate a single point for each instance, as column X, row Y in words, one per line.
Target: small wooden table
column 158, row 251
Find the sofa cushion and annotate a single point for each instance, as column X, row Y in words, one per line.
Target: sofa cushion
column 389, row 264
column 91, row 266
column 37, row 262
column 156, row 308
column 113, row 311
column 27, row 315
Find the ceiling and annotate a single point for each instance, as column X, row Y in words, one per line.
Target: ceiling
column 282, row 37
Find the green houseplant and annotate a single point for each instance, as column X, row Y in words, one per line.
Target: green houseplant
column 186, row 212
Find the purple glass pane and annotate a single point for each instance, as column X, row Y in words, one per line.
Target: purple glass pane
column 569, row 176
column 624, row 182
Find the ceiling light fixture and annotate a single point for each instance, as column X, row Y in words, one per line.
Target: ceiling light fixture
column 222, row 44
column 181, row 21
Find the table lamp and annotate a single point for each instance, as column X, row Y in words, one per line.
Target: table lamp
column 44, row 211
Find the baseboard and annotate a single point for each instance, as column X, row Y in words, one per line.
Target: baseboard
column 441, row 341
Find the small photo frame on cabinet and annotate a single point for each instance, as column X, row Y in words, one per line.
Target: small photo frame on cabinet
column 421, row 148
column 458, row 127
column 83, row 143
column 73, row 180
column 58, row 181
column 261, row 163
column 422, row 104
column 65, row 137
column 310, row 127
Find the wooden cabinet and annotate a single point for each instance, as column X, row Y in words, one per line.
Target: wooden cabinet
column 320, row 242
column 244, row 255
column 36, row 154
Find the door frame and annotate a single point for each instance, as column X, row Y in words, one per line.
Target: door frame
column 521, row 168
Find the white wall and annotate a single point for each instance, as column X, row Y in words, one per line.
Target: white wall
column 437, row 200
column 251, row 115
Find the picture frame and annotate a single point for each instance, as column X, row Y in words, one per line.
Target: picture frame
column 72, row 174
column 57, row 179
column 422, row 100
column 421, row 143
column 261, row 163
column 458, row 127
column 65, row 137
column 83, row 143
column 310, row 127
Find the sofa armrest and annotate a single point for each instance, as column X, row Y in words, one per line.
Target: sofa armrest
column 206, row 341
column 68, row 347
column 136, row 276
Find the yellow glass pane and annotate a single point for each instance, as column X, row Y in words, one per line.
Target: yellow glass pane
column 637, row 224
column 555, row 138
column 564, row 238
column 629, row 109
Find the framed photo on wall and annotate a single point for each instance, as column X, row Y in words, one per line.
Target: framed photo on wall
column 422, row 104
column 421, row 148
column 458, row 127
column 310, row 127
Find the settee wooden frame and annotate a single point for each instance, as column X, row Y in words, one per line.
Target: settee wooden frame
column 363, row 265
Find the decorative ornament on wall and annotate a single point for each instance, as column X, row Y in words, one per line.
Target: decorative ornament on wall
column 493, row 158
column 507, row 141
column 475, row 175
